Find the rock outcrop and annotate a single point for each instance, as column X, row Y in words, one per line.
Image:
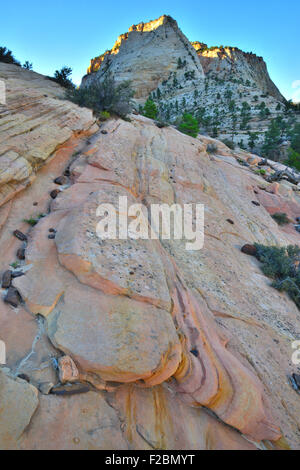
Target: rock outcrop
column 147, row 56
column 141, row 344
column 229, row 90
column 229, row 63
column 35, row 121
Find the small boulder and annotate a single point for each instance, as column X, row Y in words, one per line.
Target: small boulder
column 20, row 235
column 61, row 180
column 296, row 378
column 6, row 279
column 256, row 203
column 253, row 160
column 230, row 221
column 249, row 249
column 21, row 253
column 70, row 389
column 46, row 387
column 103, row 132
column 24, row 377
column 54, row 193
column 195, row 352
column 51, row 236
column 68, row 371
column 12, row 297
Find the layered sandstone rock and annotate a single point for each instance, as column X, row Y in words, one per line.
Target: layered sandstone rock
column 232, row 63
column 144, row 344
column 147, row 55
column 33, row 123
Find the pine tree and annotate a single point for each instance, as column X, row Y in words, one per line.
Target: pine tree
column 253, row 136
column 295, row 138
column 150, row 109
column 189, row 125
column 272, row 137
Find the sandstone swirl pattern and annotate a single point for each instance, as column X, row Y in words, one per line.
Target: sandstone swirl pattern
column 130, row 313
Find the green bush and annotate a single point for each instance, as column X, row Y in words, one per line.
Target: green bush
column 228, row 143
column 282, row 265
column 31, row 221
column 189, row 125
column 261, row 171
column 27, row 65
column 105, row 96
column 294, row 159
column 34, row 220
column 295, row 138
column 211, row 148
column 281, row 218
column 104, row 115
column 150, row 109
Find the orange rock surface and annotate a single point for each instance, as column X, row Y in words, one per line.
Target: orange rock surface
column 181, row 349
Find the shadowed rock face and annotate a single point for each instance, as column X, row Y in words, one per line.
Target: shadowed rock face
column 180, row 349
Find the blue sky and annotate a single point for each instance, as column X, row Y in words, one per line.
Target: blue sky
column 54, row 33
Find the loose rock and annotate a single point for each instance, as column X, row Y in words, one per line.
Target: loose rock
column 70, row 389
column 46, row 387
column 296, row 378
column 249, row 249
column 20, row 235
column 61, row 180
column 21, row 253
column 12, row 297
column 255, row 203
column 6, row 279
column 24, row 377
column 54, row 193
column 68, row 371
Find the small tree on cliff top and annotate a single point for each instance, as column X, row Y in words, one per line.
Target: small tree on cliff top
column 7, row 56
column 104, row 96
column 62, row 77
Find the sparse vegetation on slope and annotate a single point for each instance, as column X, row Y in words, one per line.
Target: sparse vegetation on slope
column 281, row 218
column 282, row 265
column 105, row 96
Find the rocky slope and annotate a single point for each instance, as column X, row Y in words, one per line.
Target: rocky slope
column 141, row 343
column 224, row 85
column 33, row 124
